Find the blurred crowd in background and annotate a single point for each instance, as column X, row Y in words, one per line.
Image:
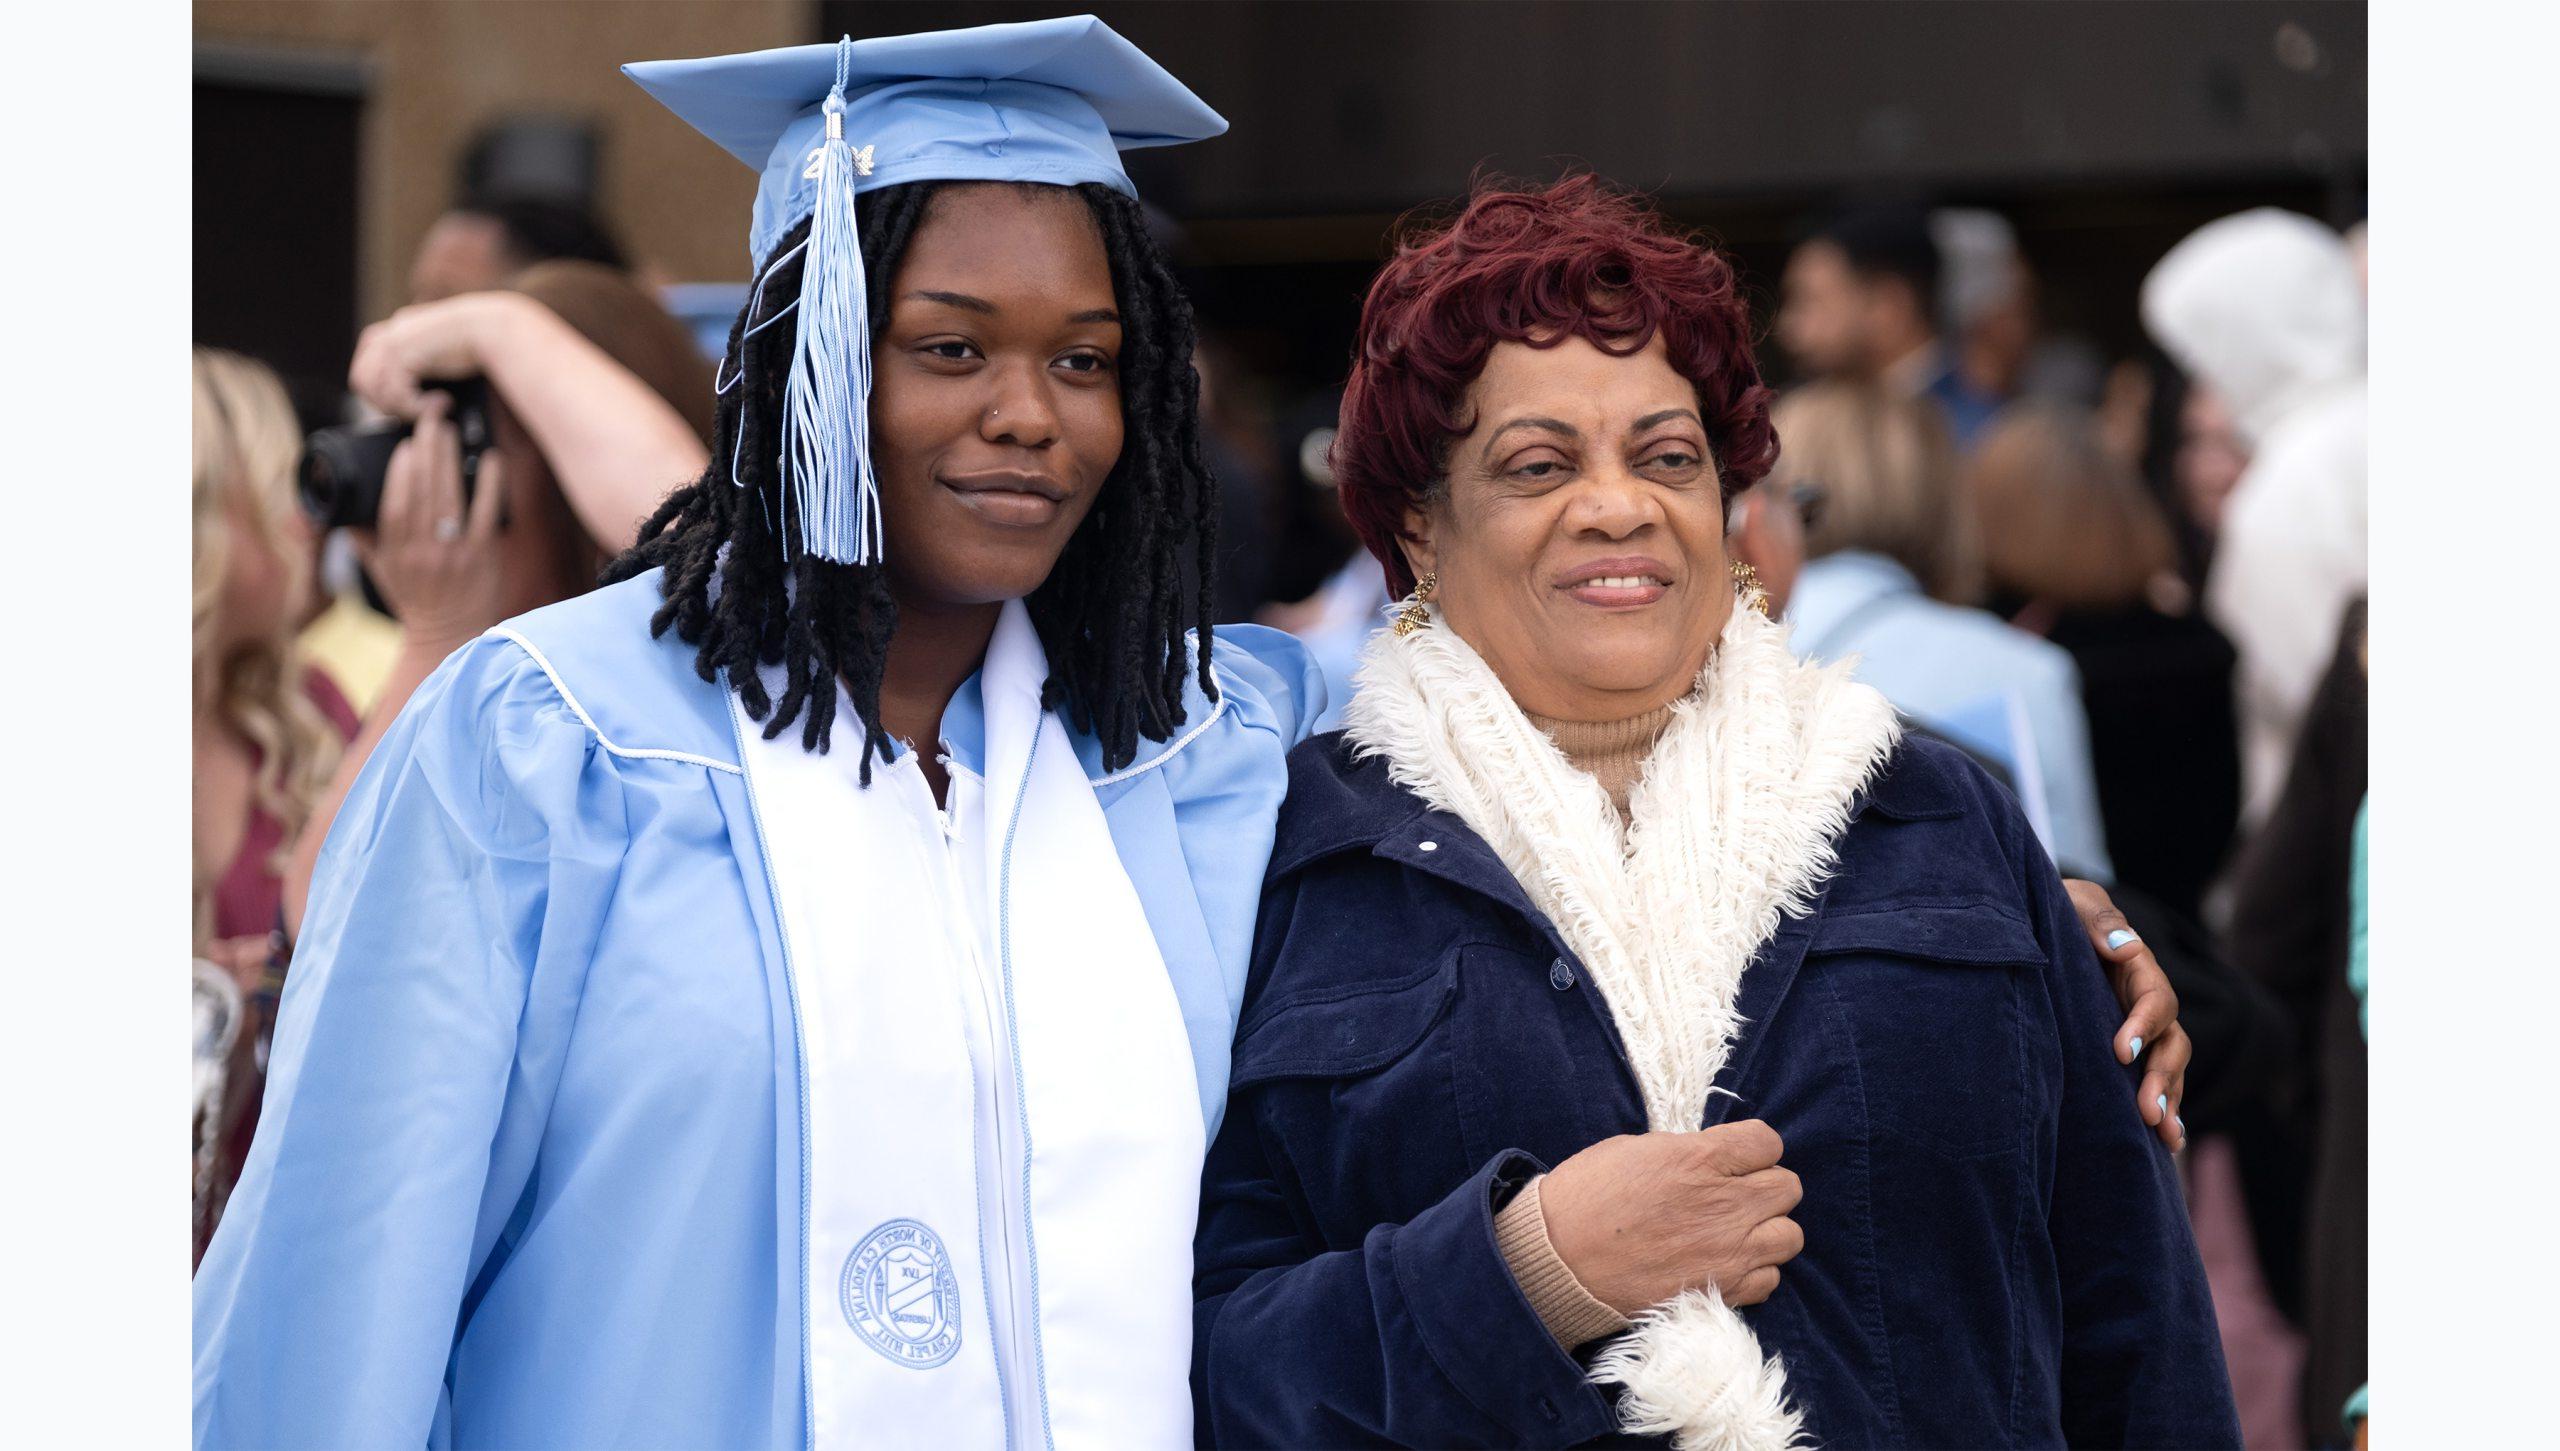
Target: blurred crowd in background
column 2101, row 523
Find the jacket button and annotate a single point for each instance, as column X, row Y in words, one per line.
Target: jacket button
column 1560, row 975
column 1430, row 846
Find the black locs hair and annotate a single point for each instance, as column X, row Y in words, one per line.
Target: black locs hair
column 1112, row 614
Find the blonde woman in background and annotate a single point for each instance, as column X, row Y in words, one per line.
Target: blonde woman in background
column 1892, row 571
column 268, row 731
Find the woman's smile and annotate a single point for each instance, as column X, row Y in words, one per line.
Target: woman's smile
column 1618, row 583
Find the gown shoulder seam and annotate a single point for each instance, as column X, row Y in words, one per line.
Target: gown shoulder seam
column 569, row 697
column 1216, row 710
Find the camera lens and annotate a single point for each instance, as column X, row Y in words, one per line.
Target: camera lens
column 343, row 469
column 342, row 473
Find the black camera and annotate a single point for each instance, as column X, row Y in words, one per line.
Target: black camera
column 342, row 468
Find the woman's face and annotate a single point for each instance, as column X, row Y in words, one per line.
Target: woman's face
column 1580, row 540
column 2211, row 458
column 995, row 393
column 263, row 589
column 549, row 555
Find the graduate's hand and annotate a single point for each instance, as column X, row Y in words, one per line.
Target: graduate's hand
column 429, row 342
column 2150, row 1025
column 1642, row 1217
column 435, row 562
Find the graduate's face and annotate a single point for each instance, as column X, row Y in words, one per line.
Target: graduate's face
column 1579, row 540
column 995, row 392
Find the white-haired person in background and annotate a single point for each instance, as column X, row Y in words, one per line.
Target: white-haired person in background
column 2266, row 308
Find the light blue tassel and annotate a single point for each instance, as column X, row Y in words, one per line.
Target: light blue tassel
column 826, row 418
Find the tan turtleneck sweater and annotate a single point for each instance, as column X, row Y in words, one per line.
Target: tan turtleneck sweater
column 1610, row 751
column 1613, row 752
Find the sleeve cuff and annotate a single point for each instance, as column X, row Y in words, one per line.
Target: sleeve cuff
column 1479, row 1328
column 1571, row 1313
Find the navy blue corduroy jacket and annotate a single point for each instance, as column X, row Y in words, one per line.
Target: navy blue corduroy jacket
column 1996, row 1252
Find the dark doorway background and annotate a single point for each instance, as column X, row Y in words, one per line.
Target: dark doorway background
column 275, row 197
column 2104, row 129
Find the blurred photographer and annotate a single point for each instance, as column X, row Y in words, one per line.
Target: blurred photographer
column 547, row 420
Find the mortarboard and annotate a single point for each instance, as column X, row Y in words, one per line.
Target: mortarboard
column 1050, row 101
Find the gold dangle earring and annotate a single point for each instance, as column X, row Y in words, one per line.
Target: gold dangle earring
column 1413, row 616
column 1746, row 582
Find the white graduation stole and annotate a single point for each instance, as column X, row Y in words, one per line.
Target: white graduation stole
column 935, row 1109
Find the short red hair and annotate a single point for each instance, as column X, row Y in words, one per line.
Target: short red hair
column 1575, row 259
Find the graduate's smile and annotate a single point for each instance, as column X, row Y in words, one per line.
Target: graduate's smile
column 1009, row 499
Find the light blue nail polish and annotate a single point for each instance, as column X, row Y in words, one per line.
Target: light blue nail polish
column 2133, row 1049
column 2164, row 1103
column 2118, row 938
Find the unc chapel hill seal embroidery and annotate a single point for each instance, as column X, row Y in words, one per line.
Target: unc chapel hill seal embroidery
column 901, row 1295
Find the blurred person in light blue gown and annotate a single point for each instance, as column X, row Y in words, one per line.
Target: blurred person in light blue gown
column 1890, row 573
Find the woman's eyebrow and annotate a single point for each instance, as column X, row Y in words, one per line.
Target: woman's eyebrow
column 960, row 300
column 1665, row 416
column 967, row 303
column 1547, row 425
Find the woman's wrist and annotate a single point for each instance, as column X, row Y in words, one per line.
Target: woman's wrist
column 425, row 647
column 1571, row 1313
column 502, row 327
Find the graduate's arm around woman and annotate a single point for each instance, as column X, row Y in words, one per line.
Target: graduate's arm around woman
column 451, row 929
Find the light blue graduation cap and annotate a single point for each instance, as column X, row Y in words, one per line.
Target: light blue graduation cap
column 1050, row 101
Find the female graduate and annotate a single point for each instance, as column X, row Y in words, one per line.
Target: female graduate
column 653, row 1074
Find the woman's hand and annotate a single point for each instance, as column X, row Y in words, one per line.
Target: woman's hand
column 2151, row 1011
column 244, row 958
column 1642, row 1217
column 430, row 342
column 439, row 568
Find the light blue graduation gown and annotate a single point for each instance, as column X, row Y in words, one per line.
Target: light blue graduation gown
column 529, row 1166
column 1952, row 668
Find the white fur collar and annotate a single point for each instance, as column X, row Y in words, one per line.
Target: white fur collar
column 1733, row 824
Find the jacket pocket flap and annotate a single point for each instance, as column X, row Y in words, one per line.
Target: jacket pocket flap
column 1966, row 934
column 1338, row 1032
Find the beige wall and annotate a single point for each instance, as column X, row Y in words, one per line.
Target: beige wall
column 442, row 68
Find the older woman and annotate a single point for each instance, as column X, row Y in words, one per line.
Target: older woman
column 1599, row 876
